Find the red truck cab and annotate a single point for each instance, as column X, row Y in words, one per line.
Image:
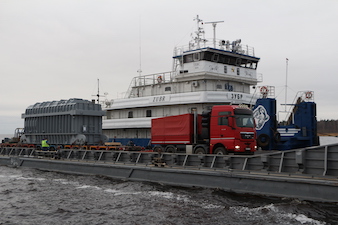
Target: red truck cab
column 231, row 130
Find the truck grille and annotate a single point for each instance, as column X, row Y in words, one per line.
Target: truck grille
column 247, row 135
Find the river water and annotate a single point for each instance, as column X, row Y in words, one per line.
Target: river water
column 30, row 196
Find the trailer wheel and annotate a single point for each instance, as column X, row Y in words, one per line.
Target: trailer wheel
column 220, row 151
column 171, row 149
column 199, row 150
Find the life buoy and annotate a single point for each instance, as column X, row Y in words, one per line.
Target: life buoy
column 159, row 79
column 263, row 140
column 308, row 95
column 264, row 90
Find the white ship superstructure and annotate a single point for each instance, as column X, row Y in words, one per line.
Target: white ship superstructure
column 204, row 73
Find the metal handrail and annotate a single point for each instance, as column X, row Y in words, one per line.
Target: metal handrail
column 151, row 79
column 241, row 48
column 314, row 161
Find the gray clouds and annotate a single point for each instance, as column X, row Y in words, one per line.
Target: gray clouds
column 52, row 50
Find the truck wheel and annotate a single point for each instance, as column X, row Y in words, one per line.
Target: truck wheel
column 158, row 148
column 170, row 148
column 220, row 151
column 199, row 150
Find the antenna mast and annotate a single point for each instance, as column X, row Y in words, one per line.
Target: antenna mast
column 98, row 91
column 140, row 70
column 286, row 82
column 214, row 27
column 199, row 31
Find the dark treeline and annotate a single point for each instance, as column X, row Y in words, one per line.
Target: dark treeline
column 327, row 126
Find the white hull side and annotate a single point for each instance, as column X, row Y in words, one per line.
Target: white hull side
column 127, row 123
column 172, row 100
column 184, row 98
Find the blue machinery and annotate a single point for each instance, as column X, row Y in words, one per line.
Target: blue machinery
column 298, row 131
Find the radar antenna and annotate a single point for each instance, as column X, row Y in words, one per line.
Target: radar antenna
column 214, row 27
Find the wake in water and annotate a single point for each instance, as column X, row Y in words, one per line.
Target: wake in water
column 30, row 196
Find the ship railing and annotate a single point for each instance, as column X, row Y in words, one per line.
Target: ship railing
column 259, row 77
column 315, row 161
column 220, row 44
column 146, row 80
column 286, row 116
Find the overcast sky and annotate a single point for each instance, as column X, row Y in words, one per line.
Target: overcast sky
column 57, row 49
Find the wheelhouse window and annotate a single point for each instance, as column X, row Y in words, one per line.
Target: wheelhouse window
column 248, row 64
column 197, row 56
column 254, row 65
column 238, row 61
column 215, row 58
column 207, row 56
column 224, row 59
column 188, row 58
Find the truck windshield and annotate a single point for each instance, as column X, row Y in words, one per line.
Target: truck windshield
column 244, row 118
column 244, row 121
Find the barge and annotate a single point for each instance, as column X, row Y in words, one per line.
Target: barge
column 306, row 174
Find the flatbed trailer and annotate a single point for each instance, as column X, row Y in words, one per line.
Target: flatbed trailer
column 306, row 174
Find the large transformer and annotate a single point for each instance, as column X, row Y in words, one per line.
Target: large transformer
column 64, row 122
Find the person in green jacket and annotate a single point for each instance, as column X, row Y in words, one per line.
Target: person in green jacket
column 44, row 144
